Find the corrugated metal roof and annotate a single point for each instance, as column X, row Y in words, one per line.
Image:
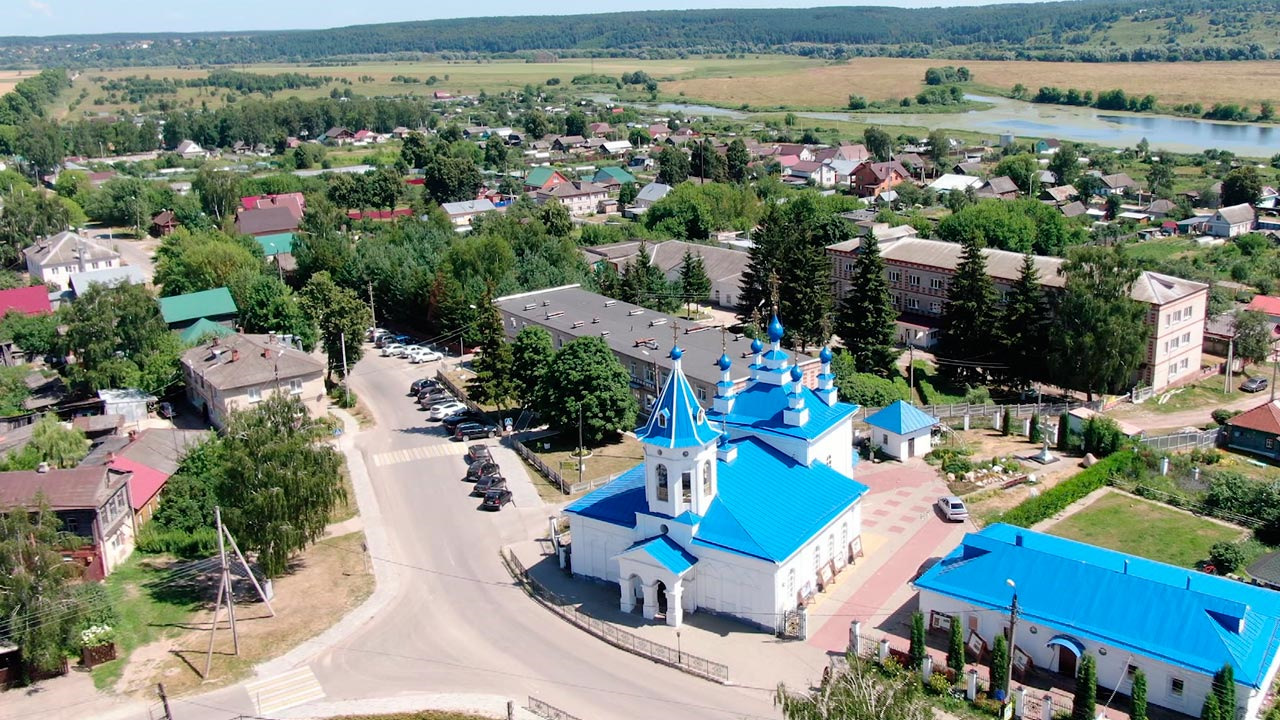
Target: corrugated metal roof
column 203, row 329
column 760, row 407
column 192, row 306
column 902, row 418
column 1182, row 617
column 767, row 505
column 276, row 243
column 664, row 551
column 1265, row 418
column 677, row 420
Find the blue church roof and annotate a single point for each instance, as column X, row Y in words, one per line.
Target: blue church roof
column 1179, row 616
column 760, row 406
column 677, row 420
column 767, row 505
column 664, row 551
column 902, row 418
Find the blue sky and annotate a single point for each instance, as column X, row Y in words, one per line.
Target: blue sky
column 65, row 17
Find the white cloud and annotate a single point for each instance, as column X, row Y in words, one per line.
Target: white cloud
column 42, row 8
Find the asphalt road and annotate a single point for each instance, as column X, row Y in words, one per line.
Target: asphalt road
column 459, row 624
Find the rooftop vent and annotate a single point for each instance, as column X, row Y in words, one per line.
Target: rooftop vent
column 578, row 323
column 610, row 303
column 658, row 321
column 636, row 311
column 604, row 333
column 546, row 303
column 555, row 314
column 595, row 320
column 42, row 468
column 530, row 306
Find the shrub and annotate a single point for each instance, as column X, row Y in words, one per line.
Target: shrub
column 1006, row 422
column 1102, row 436
column 917, row 650
column 938, row 683
column 1056, row 499
column 1226, row 557
column 951, row 460
column 342, row 398
column 1139, row 695
column 154, row 539
column 1222, row 415
column 1035, row 435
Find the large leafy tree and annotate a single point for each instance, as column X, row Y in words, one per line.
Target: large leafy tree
column 28, row 215
column 705, row 162
column 1023, row 226
column 1023, row 328
column 878, row 142
column 189, row 262
column 673, row 166
column 1254, row 337
column 280, row 482
column 341, row 317
column 265, row 304
column 39, row 609
column 494, row 381
column 1099, row 332
column 736, row 161
column 1065, row 164
column 968, row 318
column 219, row 191
column 117, row 338
column 585, row 376
column 863, row 692
column 1021, row 169
column 866, row 318
column 531, row 355
column 1241, row 186
column 450, row 179
column 57, row 444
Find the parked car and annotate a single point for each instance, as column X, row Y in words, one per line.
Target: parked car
column 953, row 508
column 495, row 499
column 372, row 334
column 432, row 399
column 481, row 468
column 401, row 351
column 419, row 385
column 426, row 353
column 391, row 349
column 476, row 453
column 489, row 482
column 452, row 422
column 1254, row 384
column 445, row 409
column 473, row 430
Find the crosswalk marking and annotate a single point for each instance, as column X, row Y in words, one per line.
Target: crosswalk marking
column 284, row 691
column 422, row 452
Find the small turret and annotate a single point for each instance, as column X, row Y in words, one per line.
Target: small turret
column 723, row 402
column 796, row 413
column 757, row 347
column 826, row 391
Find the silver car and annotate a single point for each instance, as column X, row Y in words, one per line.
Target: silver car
column 953, row 509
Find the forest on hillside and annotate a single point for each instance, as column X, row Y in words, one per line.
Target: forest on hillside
column 1074, row 30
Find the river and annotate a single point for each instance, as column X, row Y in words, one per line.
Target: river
column 1080, row 124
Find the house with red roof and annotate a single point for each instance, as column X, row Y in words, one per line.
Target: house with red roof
column 1256, row 431
column 873, row 178
column 32, row 300
column 295, row 202
column 1268, row 305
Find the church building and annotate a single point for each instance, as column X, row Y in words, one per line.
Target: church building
column 745, row 510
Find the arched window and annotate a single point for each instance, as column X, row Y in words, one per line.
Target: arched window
column 663, row 493
column 844, row 537
column 706, row 477
column 662, row 419
column 686, row 486
column 817, row 558
column 831, row 547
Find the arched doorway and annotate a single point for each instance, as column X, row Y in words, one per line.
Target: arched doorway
column 662, row 598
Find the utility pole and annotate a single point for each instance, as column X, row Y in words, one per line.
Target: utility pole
column 164, row 700
column 373, row 313
column 224, row 589
column 346, row 383
column 1231, row 346
column 1013, row 635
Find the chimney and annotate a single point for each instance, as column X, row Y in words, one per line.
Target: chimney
column 1126, row 567
column 1017, row 539
column 235, row 354
column 42, row 468
column 266, row 353
column 271, row 338
column 111, row 457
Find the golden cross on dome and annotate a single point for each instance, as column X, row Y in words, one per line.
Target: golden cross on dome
column 675, row 334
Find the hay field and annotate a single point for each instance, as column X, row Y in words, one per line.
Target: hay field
column 890, row 78
column 9, row 78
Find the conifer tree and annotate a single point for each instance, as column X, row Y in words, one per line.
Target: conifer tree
column 1224, row 686
column 866, row 320
column 494, row 382
column 998, row 670
column 1023, row 329
column 968, row 318
column 736, row 159
column 1210, row 710
column 916, row 651
column 694, row 283
column 955, row 649
column 1138, row 696
column 1086, row 698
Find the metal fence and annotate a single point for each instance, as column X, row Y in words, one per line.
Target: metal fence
column 550, row 712
column 566, row 487
column 948, row 411
column 1183, row 440
column 611, row 634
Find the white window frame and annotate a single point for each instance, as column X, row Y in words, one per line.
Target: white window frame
column 295, row 386
column 254, row 394
column 895, row 276
column 936, row 284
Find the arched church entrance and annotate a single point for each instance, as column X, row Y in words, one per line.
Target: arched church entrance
column 662, row 598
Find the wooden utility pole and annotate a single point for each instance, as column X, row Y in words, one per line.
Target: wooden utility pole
column 226, row 589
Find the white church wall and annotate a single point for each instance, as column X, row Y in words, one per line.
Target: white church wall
column 736, row 585
column 595, row 543
column 798, row 574
column 835, row 448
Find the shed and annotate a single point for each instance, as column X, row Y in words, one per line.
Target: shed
column 131, row 403
column 902, row 430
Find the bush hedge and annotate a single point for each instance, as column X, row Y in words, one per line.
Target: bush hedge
column 1056, row 499
column 154, row 539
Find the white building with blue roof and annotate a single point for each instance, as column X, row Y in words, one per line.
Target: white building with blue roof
column 1178, row 626
column 745, row 510
column 902, row 430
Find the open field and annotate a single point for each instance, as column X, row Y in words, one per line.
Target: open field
column 9, row 78
column 1146, row 529
column 889, row 78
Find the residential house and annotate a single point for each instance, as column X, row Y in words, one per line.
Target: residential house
column 915, row 165
column 613, row 178
column 32, row 300
column 579, row 198
column 811, row 171
column 953, row 182
column 648, row 195
column 90, row 502
column 599, row 129
column 1178, row 626
column 131, row 274
column 54, row 260
column 338, row 136
column 568, row 143
column 267, row 221
column 902, row 430
column 1046, row 178
column 658, row 132
column 873, row 178
column 182, row 311
column 1074, row 209
column 189, row 150
column 277, row 249
column 150, row 457
column 1228, row 222
column 640, row 338
column 1060, row 195
column 1117, row 184
column 843, row 170
column 1048, row 146
column 295, row 201
column 724, row 266
column 1256, row 431
column 614, row 148
column 1000, row 188
column 1268, row 305
column 462, row 213
column 163, row 224
column 919, row 273
column 1160, row 208
column 967, row 168
column 235, row 372
column 543, row 178
column 854, row 153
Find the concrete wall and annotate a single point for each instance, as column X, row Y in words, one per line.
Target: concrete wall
column 1177, row 339
column 310, row 389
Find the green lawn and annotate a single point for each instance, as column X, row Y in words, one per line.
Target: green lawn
column 1161, row 249
column 1145, row 529
column 608, row 459
column 149, row 605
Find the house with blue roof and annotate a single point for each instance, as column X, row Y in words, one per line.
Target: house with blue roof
column 1177, row 626
column 902, row 430
column 745, row 510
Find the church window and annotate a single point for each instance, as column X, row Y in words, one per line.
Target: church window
column 662, row 483
column 831, row 547
column 817, row 558
column 791, row 582
column 706, row 477
column 662, row 419
column 686, row 486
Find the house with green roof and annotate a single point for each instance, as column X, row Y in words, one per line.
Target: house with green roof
column 613, row 178
column 543, row 178
column 203, row 329
column 182, row 311
column 276, row 243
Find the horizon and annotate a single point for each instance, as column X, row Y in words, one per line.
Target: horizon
column 51, row 18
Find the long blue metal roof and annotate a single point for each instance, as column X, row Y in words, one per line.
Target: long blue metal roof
column 664, row 551
column 760, row 406
column 767, row 505
column 902, row 418
column 1182, row 617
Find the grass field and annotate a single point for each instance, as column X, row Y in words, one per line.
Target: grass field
column 888, row 78
column 1145, row 529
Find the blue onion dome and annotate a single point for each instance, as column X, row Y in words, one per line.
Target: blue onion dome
column 775, row 329
column 825, row 355
column 725, row 362
column 796, row 373
column 676, row 352
column 757, row 346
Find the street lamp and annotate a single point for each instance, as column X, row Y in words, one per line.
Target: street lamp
column 913, row 336
column 1013, row 634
